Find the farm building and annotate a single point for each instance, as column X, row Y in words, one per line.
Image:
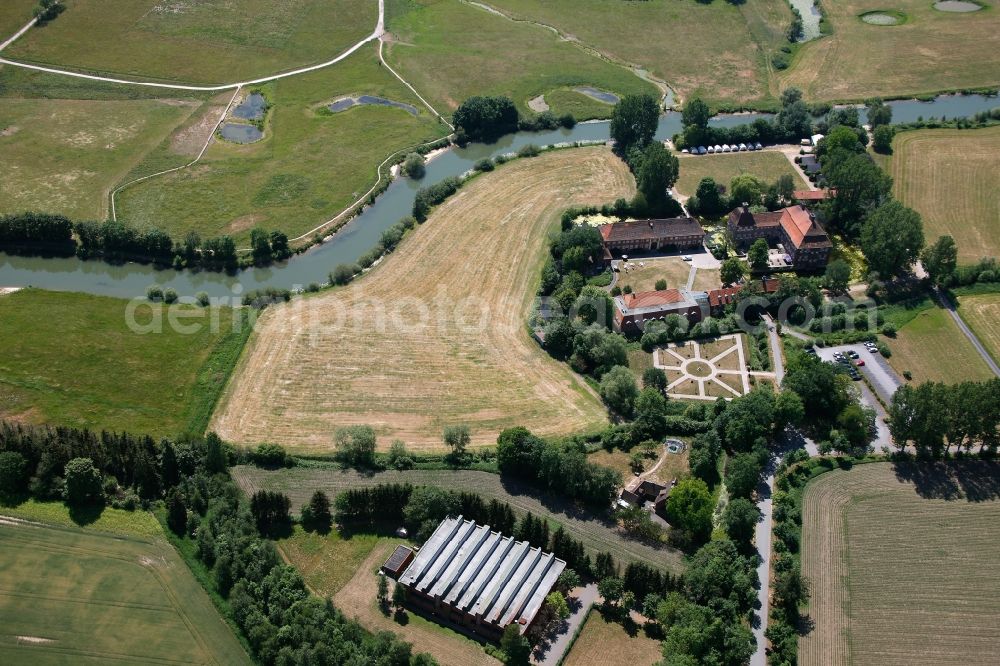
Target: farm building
column 634, row 311
column 398, row 561
column 679, row 233
column 639, row 491
column 480, row 579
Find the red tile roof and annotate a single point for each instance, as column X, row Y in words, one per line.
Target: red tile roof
column 650, row 229
column 801, row 228
column 648, row 299
column 810, row 195
column 725, row 296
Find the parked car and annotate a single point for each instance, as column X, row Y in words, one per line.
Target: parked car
column 860, row 363
column 686, row 257
column 853, row 354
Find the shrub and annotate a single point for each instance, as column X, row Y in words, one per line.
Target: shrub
column 485, row 164
column 202, row 298
column 528, row 150
column 344, row 273
column 154, row 292
column 413, row 166
column 169, row 295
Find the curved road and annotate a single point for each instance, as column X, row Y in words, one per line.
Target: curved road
column 376, row 34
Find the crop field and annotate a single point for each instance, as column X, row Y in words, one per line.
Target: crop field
column 597, row 535
column 309, row 166
column 82, row 596
column 904, row 565
column 982, row 314
column 71, row 359
column 719, row 51
column 766, row 165
column 951, row 178
column 933, row 348
column 452, row 50
column 196, row 41
column 608, row 642
column 372, row 353
column 931, row 51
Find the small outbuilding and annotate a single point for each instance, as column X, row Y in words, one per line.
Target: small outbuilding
column 397, row 562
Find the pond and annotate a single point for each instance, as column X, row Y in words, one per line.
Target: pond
column 883, row 18
column 958, row 6
column 599, row 95
column 810, row 18
column 251, row 108
column 362, row 233
column 238, row 133
column 348, row 102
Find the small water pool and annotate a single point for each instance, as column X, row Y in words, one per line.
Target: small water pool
column 957, row 6
column 884, row 18
column 238, row 133
column 348, row 102
column 252, row 108
column 599, row 95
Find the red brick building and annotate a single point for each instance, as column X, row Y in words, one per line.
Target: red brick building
column 795, row 228
column 636, row 236
column 634, row 311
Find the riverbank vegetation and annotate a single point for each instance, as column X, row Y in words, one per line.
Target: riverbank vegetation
column 71, row 359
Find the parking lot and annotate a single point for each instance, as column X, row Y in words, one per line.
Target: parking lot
column 876, row 369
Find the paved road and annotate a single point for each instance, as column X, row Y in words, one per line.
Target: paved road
column 376, row 34
column 762, row 538
column 776, row 357
column 555, row 651
column 950, row 307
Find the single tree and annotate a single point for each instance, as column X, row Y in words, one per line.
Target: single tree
column 743, row 473
column 83, row 482
column 711, row 203
column 882, row 138
column 13, row 474
column 382, row 592
column 457, row 438
column 658, row 174
column 633, row 122
column 879, row 113
column 892, row 238
column 757, row 255
column 216, row 461
column 399, row 596
column 316, row 515
column 515, row 646
column 745, row 189
column 689, row 509
column 355, row 445
column 413, row 166
column 695, row 113
column 654, row 378
column 733, row 270
column 940, row 260
column 177, row 513
column 660, row 285
column 619, row 390
column 740, row 520
column 611, row 589
column 837, row 276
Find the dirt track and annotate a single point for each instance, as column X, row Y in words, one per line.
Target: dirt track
column 435, row 335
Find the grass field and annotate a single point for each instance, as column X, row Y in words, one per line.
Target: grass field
column 597, row 535
column 308, row 167
column 203, row 41
column 674, row 466
column 643, row 277
column 14, row 15
column 899, row 575
column 84, row 596
column 451, row 50
column 609, row 644
column 373, row 353
column 932, row 51
column 766, row 165
column 719, row 50
column 327, row 561
column 64, row 156
column 951, row 178
column 933, row 348
column 71, row 359
column 982, row 314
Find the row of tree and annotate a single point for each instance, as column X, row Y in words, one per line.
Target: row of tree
column 933, row 416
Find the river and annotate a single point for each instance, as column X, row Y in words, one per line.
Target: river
column 360, row 234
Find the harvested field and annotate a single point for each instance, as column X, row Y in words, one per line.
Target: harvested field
column 933, row 348
column 982, row 315
column 607, row 642
column 931, row 52
column 371, row 353
column 766, row 166
column 81, row 596
column 357, row 600
column 951, row 178
column 597, row 534
column 901, row 575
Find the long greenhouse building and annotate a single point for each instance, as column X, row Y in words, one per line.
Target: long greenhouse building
column 475, row 577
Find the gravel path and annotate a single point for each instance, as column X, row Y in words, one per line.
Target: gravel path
column 950, row 306
column 554, row 652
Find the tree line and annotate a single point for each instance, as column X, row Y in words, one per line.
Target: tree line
column 933, row 416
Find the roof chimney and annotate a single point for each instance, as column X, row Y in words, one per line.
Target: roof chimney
column 650, row 224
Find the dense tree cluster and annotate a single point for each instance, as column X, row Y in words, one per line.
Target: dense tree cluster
column 558, row 467
column 267, row 247
column 482, row 118
column 633, row 123
column 932, row 416
column 793, row 122
column 37, row 233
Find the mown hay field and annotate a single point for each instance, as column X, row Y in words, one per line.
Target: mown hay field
column 899, row 574
column 435, row 335
column 951, row 178
column 606, row 642
column 452, row 50
column 982, row 314
column 597, row 534
column 932, row 348
column 82, row 596
column 767, row 166
column 931, row 51
column 72, row 359
column 196, row 41
column 719, row 50
column 308, row 167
